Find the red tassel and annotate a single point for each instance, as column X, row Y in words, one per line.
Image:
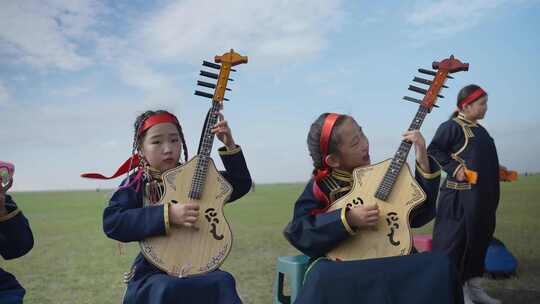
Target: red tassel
column 321, row 197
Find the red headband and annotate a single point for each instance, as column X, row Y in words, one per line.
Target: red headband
column 472, row 97
column 326, row 133
column 328, row 125
column 157, row 119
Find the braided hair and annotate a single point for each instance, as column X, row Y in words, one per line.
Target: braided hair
column 314, row 139
column 138, row 138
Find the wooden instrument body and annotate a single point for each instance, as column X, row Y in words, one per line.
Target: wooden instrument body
column 392, row 236
column 186, row 251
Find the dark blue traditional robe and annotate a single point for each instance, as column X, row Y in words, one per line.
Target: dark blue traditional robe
column 16, row 240
column 466, row 212
column 126, row 220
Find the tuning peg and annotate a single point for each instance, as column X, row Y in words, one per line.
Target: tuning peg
column 416, row 100
column 208, row 85
column 209, row 75
column 417, row 89
column 204, row 94
column 207, row 95
column 425, row 81
column 421, row 91
column 432, row 73
column 428, row 72
column 214, row 65
column 211, row 65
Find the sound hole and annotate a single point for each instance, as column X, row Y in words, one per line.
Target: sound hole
column 355, row 202
column 392, row 222
column 210, row 215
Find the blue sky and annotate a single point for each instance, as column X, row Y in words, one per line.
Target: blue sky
column 74, row 75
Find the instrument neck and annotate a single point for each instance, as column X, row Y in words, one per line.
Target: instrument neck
column 399, row 159
column 205, row 148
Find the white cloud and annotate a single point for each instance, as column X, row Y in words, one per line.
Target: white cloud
column 63, row 34
column 449, row 11
column 270, row 33
column 443, row 18
column 141, row 75
column 274, row 31
column 46, row 33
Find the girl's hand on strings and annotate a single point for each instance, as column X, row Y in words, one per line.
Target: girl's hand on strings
column 223, row 132
column 363, row 216
column 185, row 215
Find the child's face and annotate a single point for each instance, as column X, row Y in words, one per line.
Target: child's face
column 476, row 110
column 161, row 146
column 353, row 147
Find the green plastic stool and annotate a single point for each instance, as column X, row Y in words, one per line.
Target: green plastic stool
column 294, row 268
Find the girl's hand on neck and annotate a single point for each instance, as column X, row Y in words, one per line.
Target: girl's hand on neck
column 420, row 147
column 223, row 132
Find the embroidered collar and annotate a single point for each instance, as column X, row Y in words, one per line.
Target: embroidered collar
column 337, row 184
column 341, row 175
column 462, row 118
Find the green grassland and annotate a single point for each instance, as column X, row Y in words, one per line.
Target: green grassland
column 73, row 262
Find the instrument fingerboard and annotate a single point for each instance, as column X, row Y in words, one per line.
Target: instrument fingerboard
column 205, row 148
column 399, row 158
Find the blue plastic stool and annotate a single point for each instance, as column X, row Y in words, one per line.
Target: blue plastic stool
column 294, row 268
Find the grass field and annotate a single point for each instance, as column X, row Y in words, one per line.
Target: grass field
column 73, row 262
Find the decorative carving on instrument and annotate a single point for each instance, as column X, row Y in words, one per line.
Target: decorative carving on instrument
column 223, row 189
column 147, row 248
column 215, row 259
column 170, row 180
column 181, row 270
column 416, row 196
column 360, row 175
